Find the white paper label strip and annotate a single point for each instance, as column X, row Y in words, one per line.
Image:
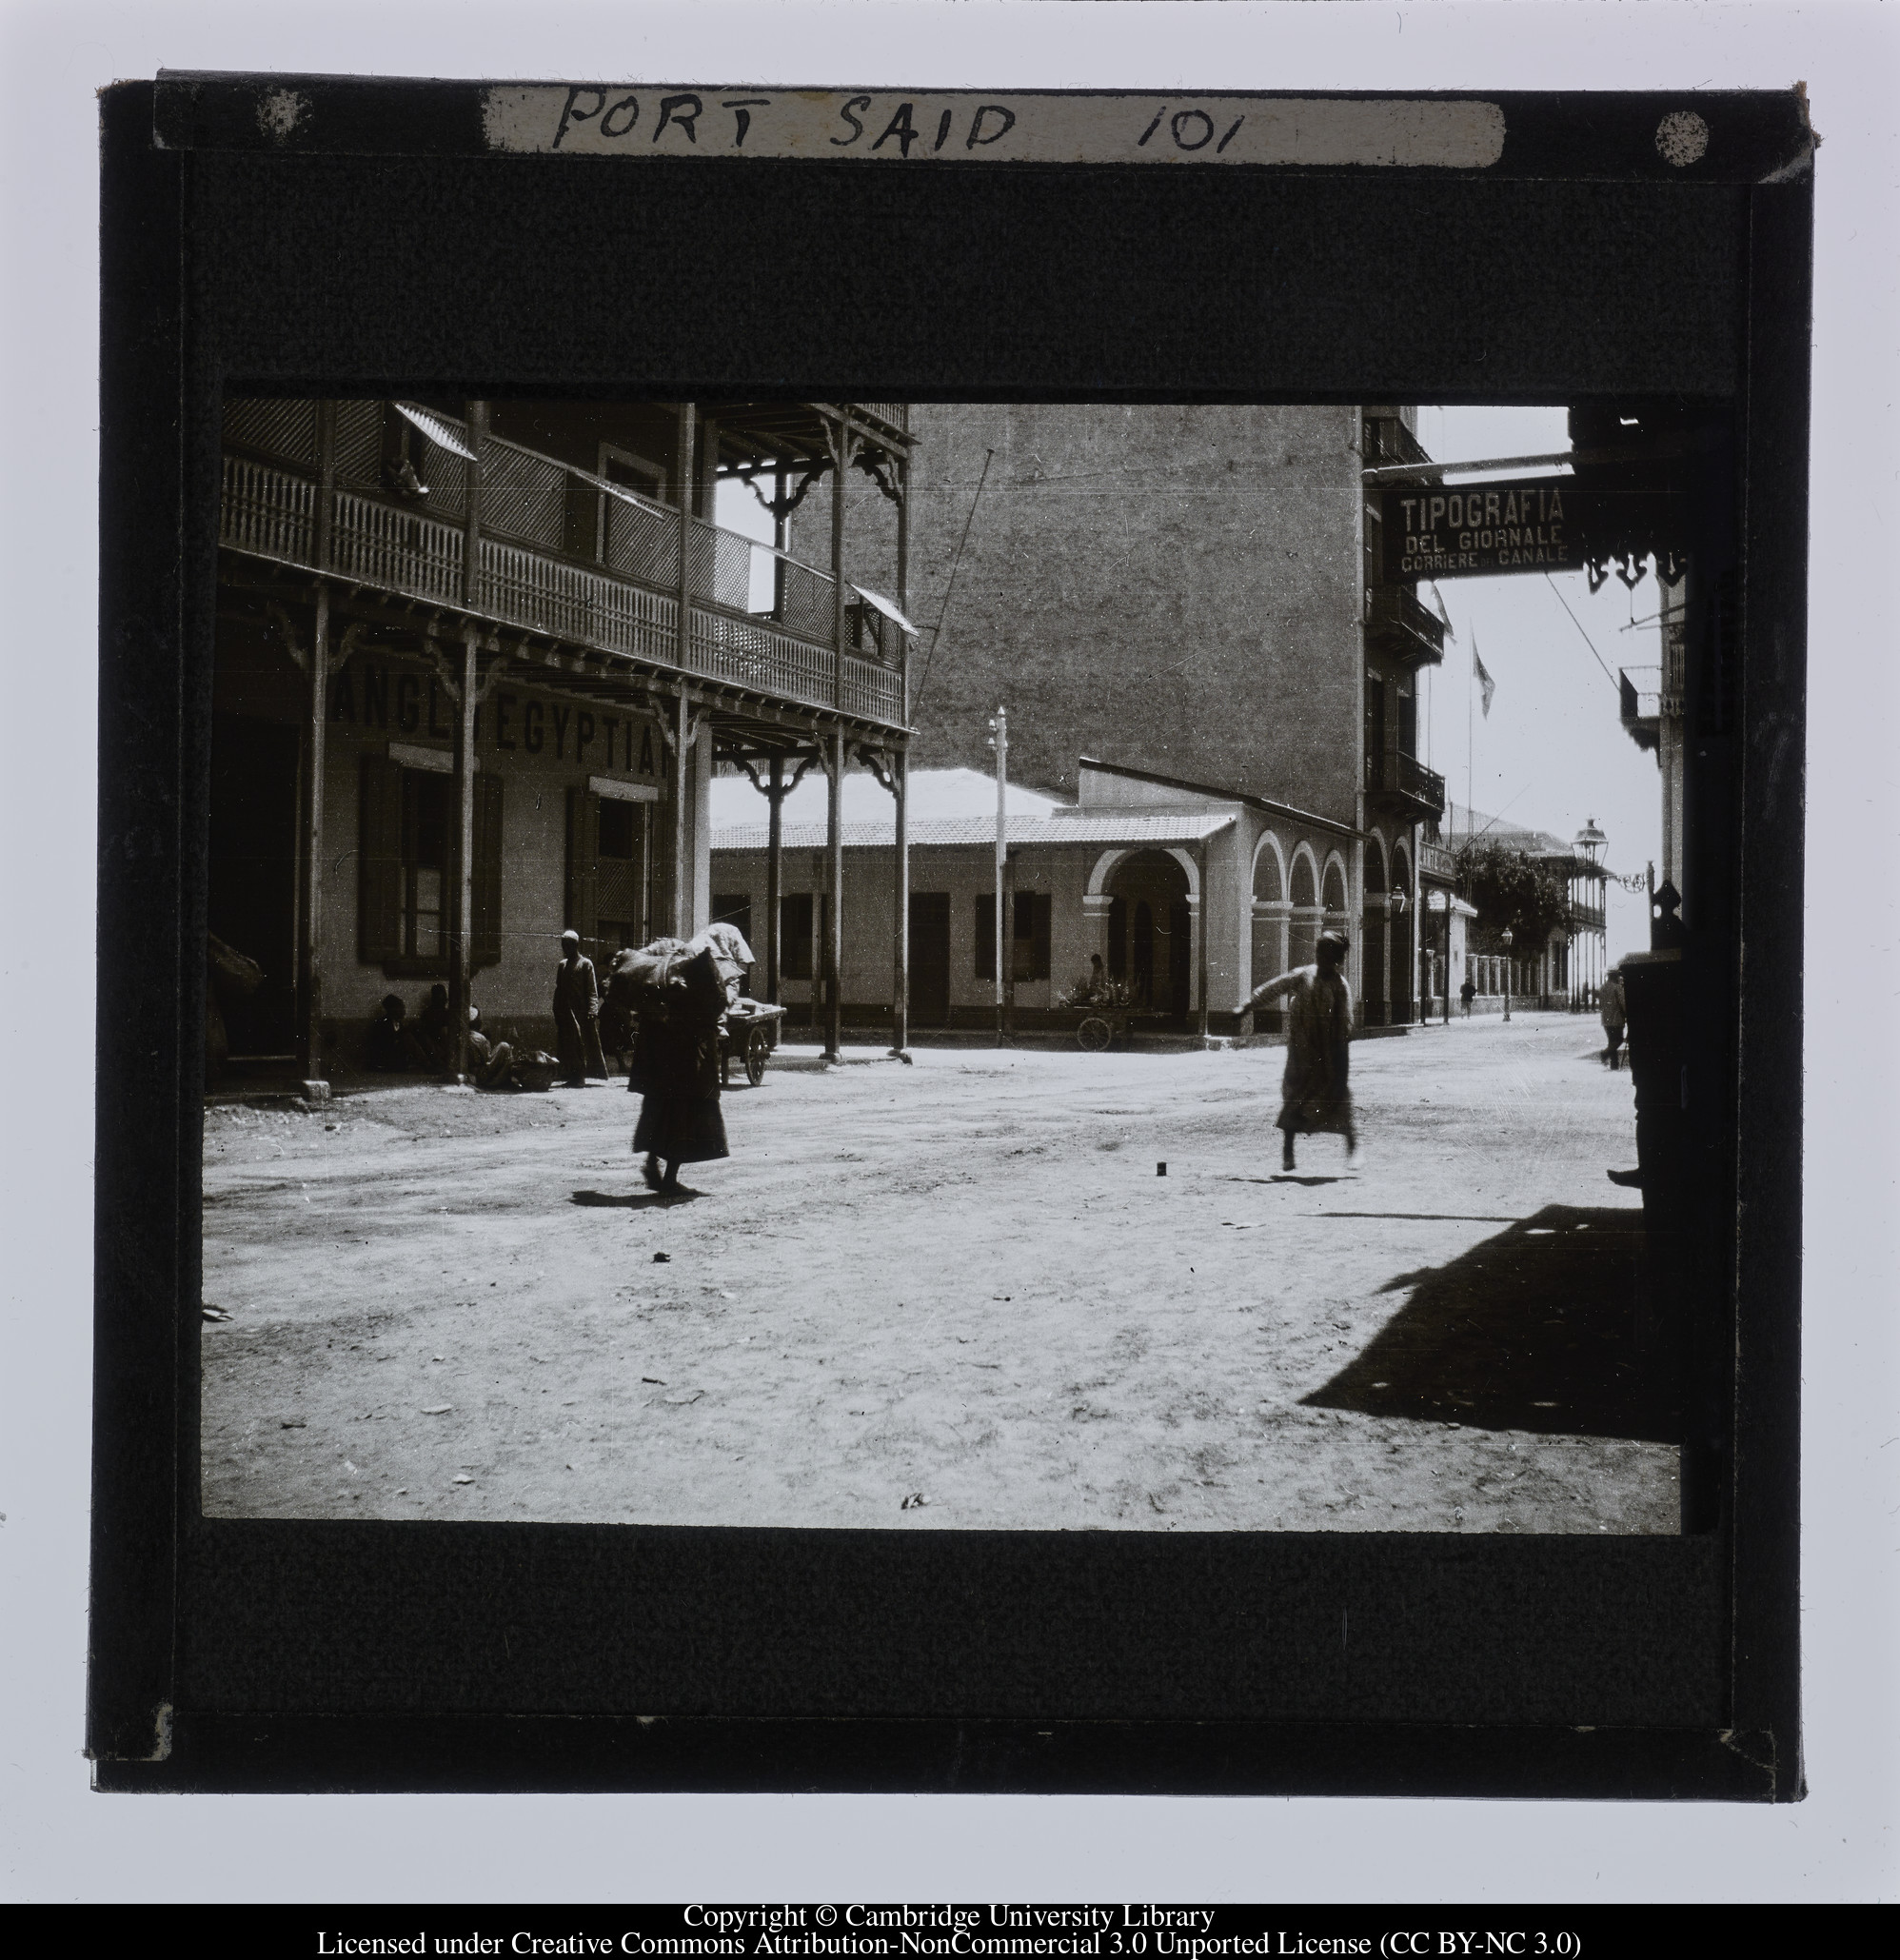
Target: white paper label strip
column 600, row 119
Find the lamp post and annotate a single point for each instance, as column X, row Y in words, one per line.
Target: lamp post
column 1589, row 841
column 1506, row 936
column 1399, row 919
column 1005, row 947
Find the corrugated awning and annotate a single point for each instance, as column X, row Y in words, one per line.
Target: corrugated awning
column 443, row 433
column 880, row 603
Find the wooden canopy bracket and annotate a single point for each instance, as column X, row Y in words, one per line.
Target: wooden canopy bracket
column 874, row 762
column 781, row 508
column 295, row 647
column 882, row 471
column 785, row 790
column 448, row 671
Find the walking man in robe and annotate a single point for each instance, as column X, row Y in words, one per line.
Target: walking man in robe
column 577, row 1014
column 1613, row 1009
column 1316, row 1096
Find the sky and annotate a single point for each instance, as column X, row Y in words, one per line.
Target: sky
column 1551, row 754
column 1552, row 751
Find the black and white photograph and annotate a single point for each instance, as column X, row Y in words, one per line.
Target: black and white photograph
column 949, row 965
column 954, row 923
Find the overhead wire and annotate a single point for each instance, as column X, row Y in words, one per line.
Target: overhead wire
column 1578, row 624
column 943, row 613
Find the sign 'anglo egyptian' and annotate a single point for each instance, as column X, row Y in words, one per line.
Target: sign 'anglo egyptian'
column 1538, row 525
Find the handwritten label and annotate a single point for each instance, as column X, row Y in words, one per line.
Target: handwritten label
column 605, row 119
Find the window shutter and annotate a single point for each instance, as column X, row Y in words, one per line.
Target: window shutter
column 584, row 868
column 986, row 937
column 1041, row 968
column 485, row 942
column 379, row 861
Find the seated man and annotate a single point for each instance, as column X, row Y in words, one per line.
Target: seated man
column 430, row 1033
column 492, row 1063
column 388, row 1049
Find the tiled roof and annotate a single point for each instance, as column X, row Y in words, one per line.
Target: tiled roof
column 1093, row 827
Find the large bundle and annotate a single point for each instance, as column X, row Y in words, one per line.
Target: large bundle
column 639, row 974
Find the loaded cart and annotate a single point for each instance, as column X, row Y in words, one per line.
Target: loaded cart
column 747, row 1035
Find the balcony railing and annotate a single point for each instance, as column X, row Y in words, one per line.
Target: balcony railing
column 1642, row 704
column 1407, row 629
column 1584, row 917
column 1395, row 773
column 628, row 607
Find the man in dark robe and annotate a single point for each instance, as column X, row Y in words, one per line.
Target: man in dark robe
column 577, row 1013
column 1316, row 1096
column 676, row 1064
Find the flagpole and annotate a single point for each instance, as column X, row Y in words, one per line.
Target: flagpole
column 1471, row 688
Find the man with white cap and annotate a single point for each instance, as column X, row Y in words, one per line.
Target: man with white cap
column 577, row 1014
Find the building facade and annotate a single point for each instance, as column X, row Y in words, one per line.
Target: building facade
column 1189, row 895
column 1195, row 592
column 1568, row 967
column 475, row 663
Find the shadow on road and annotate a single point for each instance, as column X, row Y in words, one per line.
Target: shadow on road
column 1554, row 1326
column 1298, row 1177
column 634, row 1200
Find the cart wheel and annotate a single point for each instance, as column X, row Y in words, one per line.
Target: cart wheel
column 1094, row 1034
column 757, row 1048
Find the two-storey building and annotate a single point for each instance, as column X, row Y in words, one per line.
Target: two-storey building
column 1192, row 591
column 475, row 663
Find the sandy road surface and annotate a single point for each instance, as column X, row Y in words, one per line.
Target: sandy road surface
column 961, row 1281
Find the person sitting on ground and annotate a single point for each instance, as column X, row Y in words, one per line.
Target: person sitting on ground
column 1315, row 1096
column 431, row 1031
column 388, row 1049
column 492, row 1063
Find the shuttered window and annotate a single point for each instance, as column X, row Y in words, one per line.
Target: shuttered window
column 609, row 849
column 794, row 936
column 1029, row 950
column 406, row 869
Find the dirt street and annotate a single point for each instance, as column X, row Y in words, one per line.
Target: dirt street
column 953, row 1295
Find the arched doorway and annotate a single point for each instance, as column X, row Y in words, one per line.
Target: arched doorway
column 1270, row 921
column 1304, row 938
column 1374, row 937
column 1402, row 923
column 1150, row 933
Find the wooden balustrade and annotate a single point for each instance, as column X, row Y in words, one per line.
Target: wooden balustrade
column 271, row 513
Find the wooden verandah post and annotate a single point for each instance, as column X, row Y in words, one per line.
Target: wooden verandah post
column 834, row 951
column 310, row 880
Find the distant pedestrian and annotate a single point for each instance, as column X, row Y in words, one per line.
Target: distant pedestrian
column 1613, row 1010
column 577, row 1014
column 1316, row 1096
column 1466, row 994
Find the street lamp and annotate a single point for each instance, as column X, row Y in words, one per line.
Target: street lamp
column 1506, row 936
column 1399, row 919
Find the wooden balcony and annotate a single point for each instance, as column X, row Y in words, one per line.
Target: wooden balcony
column 627, row 608
column 1409, row 633
column 1642, row 703
column 1404, row 785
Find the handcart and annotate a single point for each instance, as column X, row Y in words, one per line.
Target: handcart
column 1101, row 1028
column 747, row 1035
